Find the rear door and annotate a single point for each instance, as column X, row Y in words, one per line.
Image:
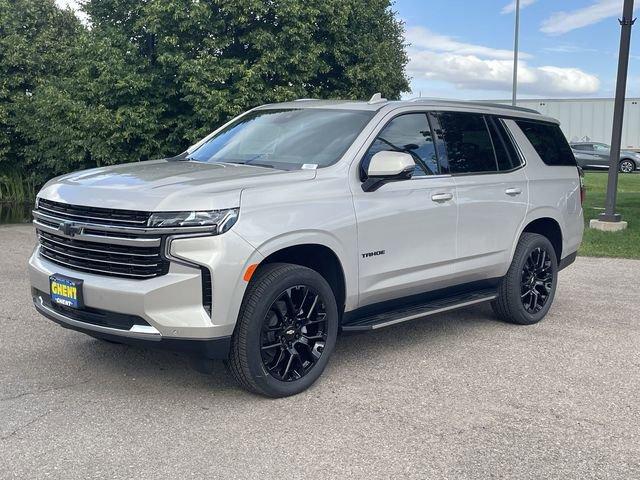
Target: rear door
column 406, row 229
column 492, row 191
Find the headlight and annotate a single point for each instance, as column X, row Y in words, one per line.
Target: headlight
column 219, row 221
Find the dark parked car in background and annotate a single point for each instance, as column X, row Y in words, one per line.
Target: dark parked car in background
column 596, row 155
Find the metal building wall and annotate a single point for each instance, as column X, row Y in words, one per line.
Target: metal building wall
column 590, row 118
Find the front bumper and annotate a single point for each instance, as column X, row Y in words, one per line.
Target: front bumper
column 138, row 336
column 170, row 307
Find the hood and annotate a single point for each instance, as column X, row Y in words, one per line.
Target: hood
column 164, row 185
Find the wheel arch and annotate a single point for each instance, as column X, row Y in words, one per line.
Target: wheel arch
column 321, row 252
column 319, row 258
column 548, row 227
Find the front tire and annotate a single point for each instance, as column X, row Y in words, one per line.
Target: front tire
column 627, row 166
column 286, row 331
column 527, row 291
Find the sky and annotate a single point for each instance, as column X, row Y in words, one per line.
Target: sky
column 464, row 48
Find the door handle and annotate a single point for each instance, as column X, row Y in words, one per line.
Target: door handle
column 441, row 197
column 513, row 191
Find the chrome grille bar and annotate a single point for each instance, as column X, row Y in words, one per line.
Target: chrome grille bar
column 110, row 262
column 90, row 269
column 83, row 217
column 120, row 229
column 66, row 245
column 113, row 240
column 100, row 241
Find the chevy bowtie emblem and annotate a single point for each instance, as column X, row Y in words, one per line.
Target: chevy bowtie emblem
column 69, row 228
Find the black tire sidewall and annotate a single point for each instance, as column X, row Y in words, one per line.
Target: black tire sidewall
column 531, row 243
column 263, row 379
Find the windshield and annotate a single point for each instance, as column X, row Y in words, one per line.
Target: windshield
column 285, row 139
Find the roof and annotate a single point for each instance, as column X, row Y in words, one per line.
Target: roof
column 377, row 104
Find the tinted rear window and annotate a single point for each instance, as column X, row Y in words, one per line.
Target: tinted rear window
column 468, row 145
column 549, row 142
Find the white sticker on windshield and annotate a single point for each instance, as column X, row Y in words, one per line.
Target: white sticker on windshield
column 309, row 166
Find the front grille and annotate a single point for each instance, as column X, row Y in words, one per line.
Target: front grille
column 104, row 242
column 95, row 215
column 103, row 258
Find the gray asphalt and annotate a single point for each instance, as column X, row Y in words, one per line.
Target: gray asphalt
column 459, row 395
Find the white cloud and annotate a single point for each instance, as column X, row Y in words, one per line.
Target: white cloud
column 511, row 7
column 476, row 67
column 422, row 38
column 563, row 22
column 471, row 72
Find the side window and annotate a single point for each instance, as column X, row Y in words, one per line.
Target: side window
column 598, row 147
column 408, row 133
column 548, row 140
column 506, row 154
column 584, row 147
column 466, row 141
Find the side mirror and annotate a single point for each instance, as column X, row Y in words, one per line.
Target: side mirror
column 388, row 166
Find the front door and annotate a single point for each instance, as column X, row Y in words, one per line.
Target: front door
column 603, row 153
column 406, row 229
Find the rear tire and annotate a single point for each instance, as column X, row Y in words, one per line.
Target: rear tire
column 286, row 330
column 527, row 291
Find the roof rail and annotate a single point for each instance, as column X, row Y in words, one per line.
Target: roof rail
column 306, row 100
column 480, row 103
column 506, row 107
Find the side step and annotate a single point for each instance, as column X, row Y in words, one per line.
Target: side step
column 406, row 313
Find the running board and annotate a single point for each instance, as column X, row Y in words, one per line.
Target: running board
column 404, row 314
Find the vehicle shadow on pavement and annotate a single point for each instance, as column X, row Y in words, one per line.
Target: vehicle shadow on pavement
column 121, row 367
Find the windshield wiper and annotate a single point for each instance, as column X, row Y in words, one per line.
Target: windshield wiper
column 266, row 165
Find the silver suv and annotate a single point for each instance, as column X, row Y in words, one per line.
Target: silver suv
column 296, row 221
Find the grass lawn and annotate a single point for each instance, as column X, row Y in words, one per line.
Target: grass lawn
column 616, row 244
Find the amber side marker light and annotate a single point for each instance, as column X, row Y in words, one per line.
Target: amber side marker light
column 250, row 271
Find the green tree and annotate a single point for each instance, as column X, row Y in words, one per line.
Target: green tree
column 35, row 36
column 152, row 76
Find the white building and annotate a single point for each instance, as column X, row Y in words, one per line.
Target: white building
column 590, row 119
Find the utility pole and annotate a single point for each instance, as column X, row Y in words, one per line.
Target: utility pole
column 515, row 55
column 610, row 220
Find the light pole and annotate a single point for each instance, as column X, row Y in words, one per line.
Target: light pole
column 610, row 220
column 515, row 55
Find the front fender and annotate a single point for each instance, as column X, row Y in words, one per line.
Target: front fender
column 326, row 239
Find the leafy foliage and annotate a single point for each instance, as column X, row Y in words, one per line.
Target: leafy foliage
column 150, row 77
column 34, row 40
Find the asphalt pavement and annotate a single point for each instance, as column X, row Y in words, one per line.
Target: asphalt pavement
column 458, row 395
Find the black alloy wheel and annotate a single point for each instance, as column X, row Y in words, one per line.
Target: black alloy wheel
column 525, row 294
column 537, row 280
column 286, row 330
column 294, row 333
